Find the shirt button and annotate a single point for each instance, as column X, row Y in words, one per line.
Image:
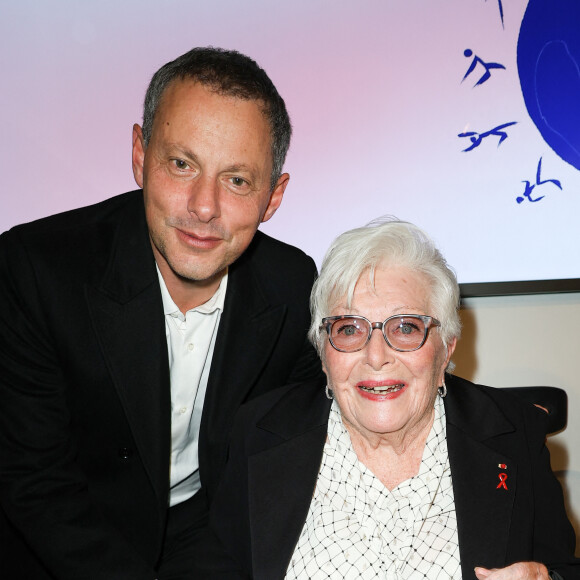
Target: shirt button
column 183, row 410
column 125, row 453
column 190, row 346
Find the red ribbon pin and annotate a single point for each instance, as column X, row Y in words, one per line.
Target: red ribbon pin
column 502, row 478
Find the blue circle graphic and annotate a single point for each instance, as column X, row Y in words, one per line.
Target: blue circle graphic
column 548, row 59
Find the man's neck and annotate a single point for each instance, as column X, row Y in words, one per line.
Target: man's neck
column 188, row 294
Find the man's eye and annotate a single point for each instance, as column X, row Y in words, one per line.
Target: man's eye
column 238, row 181
column 180, row 164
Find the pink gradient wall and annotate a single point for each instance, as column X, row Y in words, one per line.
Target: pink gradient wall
column 375, row 94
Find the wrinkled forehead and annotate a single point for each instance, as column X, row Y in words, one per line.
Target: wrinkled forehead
column 378, row 281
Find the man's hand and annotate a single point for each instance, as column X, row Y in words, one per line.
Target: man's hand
column 517, row 571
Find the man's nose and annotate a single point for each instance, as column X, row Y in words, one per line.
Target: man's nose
column 204, row 199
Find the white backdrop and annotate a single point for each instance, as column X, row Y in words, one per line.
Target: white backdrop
column 376, row 95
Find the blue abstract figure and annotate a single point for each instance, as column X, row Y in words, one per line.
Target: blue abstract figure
column 529, row 187
column 477, row 138
column 548, row 59
column 476, row 60
column 500, row 11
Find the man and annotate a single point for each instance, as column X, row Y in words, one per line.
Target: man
column 131, row 331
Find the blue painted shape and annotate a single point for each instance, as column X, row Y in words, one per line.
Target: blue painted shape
column 549, row 69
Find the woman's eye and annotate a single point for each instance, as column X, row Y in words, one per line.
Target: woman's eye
column 407, row 328
column 348, row 330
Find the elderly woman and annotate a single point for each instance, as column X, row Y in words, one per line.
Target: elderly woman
column 393, row 469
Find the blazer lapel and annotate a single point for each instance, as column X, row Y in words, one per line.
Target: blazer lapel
column 127, row 315
column 248, row 331
column 282, row 478
column 281, row 482
column 484, row 479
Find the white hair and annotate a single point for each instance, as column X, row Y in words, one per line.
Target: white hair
column 384, row 242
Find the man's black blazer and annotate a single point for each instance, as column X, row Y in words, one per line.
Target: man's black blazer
column 264, row 496
column 85, row 402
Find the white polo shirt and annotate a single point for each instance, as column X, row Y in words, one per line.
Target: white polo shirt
column 190, row 345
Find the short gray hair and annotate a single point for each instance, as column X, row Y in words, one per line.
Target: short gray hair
column 229, row 73
column 384, row 242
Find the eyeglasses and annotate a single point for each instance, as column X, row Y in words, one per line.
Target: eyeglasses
column 403, row 332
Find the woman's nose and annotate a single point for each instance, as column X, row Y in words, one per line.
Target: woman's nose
column 378, row 352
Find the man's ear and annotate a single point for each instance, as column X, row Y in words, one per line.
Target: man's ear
column 138, row 154
column 276, row 196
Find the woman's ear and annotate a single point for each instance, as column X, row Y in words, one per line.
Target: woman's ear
column 450, row 350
